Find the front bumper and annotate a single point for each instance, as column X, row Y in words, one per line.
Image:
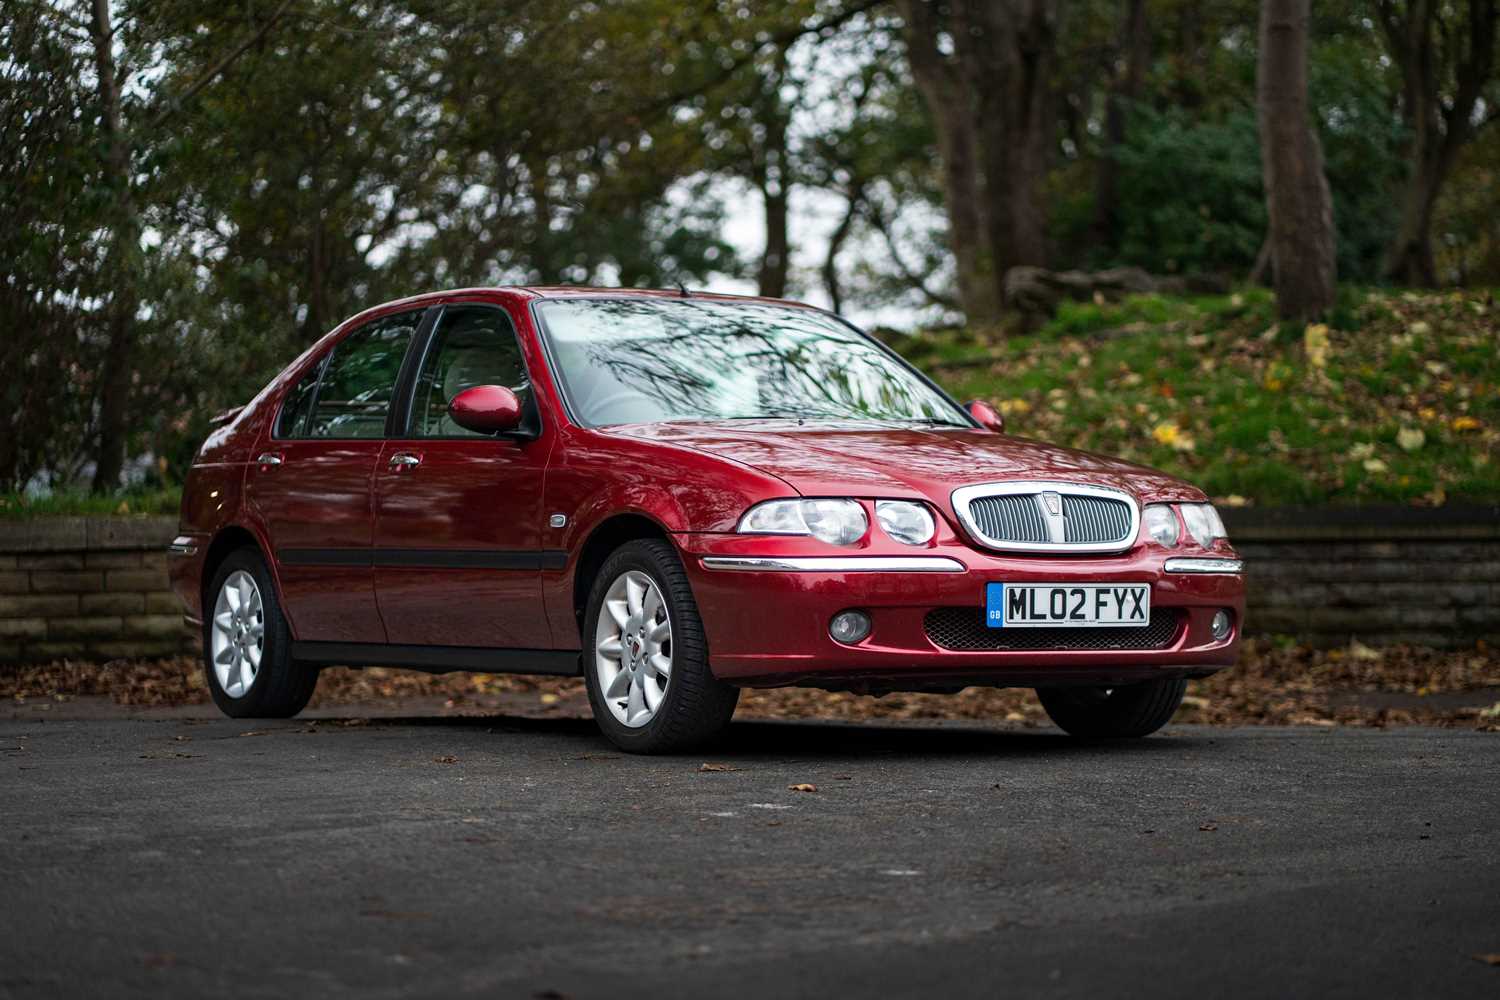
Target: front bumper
column 766, row 603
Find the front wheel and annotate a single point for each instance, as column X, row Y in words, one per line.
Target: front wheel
column 646, row 657
column 247, row 646
column 1123, row 711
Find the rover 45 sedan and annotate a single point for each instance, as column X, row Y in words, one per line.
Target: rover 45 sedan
column 678, row 495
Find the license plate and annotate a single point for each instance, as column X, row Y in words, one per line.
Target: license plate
column 1066, row 605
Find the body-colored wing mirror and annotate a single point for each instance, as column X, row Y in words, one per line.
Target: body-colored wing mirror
column 986, row 414
column 487, row 409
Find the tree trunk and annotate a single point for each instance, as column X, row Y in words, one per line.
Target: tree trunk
column 1438, row 123
column 773, row 177
column 990, row 99
column 124, row 246
column 1297, row 196
column 1123, row 90
column 836, row 241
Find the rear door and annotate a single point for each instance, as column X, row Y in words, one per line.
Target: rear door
column 458, row 514
column 313, row 481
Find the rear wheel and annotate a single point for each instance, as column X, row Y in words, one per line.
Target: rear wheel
column 1122, row 711
column 247, row 646
column 646, row 657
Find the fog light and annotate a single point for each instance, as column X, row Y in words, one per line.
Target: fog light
column 849, row 627
column 1220, row 625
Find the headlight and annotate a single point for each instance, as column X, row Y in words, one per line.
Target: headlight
column 838, row 522
column 1203, row 523
column 1161, row 524
column 906, row 522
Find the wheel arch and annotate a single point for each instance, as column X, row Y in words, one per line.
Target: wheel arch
column 231, row 538
column 605, row 538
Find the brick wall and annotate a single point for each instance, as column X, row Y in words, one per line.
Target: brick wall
column 88, row 588
column 96, row 588
column 1378, row 574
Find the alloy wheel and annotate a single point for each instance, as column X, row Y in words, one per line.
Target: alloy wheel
column 633, row 648
column 238, row 639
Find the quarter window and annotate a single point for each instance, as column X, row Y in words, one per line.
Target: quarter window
column 355, row 394
column 298, row 403
column 473, row 346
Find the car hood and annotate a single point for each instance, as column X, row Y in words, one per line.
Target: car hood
column 903, row 461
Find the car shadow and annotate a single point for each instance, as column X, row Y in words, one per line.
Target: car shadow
column 811, row 738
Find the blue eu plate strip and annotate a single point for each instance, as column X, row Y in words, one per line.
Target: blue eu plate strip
column 994, row 605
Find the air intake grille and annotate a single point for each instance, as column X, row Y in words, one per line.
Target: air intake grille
column 964, row 629
column 1015, row 517
column 1095, row 519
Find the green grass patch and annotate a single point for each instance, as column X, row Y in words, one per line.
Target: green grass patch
column 163, row 500
column 1401, row 404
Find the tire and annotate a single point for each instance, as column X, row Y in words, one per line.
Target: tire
column 280, row 686
column 1123, row 712
column 692, row 705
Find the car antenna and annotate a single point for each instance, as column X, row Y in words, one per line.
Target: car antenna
column 683, row 289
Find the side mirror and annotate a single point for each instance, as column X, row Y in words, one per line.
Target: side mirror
column 986, row 414
column 487, row 409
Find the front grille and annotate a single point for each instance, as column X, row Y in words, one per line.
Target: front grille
column 1016, row 517
column 1047, row 516
column 1094, row 519
column 964, row 629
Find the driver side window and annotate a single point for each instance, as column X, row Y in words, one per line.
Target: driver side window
column 471, row 346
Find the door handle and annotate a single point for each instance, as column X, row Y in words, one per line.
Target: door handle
column 405, row 459
column 268, row 458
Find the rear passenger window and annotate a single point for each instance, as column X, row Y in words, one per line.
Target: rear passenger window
column 355, row 393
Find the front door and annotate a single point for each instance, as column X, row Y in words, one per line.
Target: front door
column 313, row 478
column 458, row 514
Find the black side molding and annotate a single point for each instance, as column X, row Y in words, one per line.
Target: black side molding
column 440, row 659
column 428, row 558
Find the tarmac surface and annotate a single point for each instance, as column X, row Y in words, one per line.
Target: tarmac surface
column 182, row 854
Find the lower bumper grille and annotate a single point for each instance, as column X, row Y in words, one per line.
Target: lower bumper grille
column 964, row 629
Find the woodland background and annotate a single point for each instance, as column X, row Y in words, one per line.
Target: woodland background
column 191, row 193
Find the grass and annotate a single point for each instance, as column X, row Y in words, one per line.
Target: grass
column 157, row 500
column 1395, row 399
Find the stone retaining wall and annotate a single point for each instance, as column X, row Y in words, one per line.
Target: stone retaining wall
column 1379, row 574
column 96, row 588
column 88, row 588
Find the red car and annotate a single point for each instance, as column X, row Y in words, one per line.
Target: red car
column 678, row 496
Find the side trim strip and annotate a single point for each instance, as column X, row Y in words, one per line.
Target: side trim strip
column 440, row 659
column 835, row 564
column 1193, row 565
column 430, row 558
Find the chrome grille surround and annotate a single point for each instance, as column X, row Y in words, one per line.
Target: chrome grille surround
column 1018, row 517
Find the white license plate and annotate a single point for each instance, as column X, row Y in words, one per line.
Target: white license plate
column 1064, row 605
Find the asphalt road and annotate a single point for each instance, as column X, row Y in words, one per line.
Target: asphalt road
column 509, row 857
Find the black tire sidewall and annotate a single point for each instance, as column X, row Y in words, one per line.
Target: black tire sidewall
column 682, row 719
column 282, row 686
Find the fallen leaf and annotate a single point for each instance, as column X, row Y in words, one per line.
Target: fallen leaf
column 253, row 732
column 1462, row 424
column 1376, row 465
column 1491, row 958
column 1315, row 342
column 1208, row 827
column 802, row 787
column 718, row 767
column 446, row 758
column 1410, row 438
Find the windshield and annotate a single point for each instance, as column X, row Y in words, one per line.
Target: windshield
column 624, row 361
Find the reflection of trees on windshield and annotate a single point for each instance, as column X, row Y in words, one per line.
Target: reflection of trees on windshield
column 637, row 361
